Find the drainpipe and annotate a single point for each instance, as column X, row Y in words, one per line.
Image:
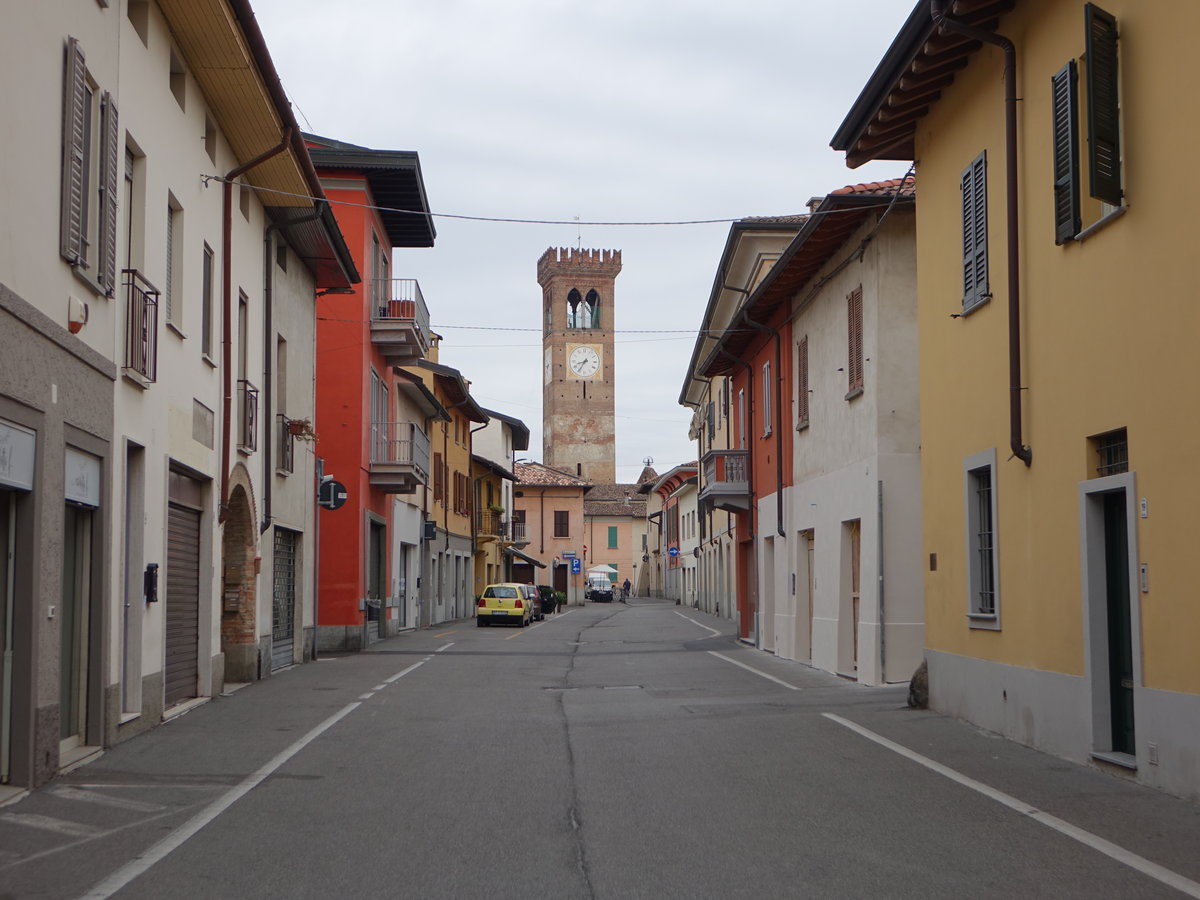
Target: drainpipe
column 779, row 529
column 227, row 307
column 943, row 22
column 470, row 497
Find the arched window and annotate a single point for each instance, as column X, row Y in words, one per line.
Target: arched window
column 574, row 300
column 593, row 304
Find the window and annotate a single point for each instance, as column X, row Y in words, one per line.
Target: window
column 766, row 398
column 206, row 303
column 1111, row 453
column 90, row 176
column 178, row 81
column 612, row 537
column 172, row 292
column 854, row 349
column 741, row 411
column 562, row 523
column 975, row 236
column 1102, row 88
column 982, row 559
column 802, row 383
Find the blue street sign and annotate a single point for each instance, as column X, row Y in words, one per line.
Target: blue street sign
column 568, row 554
column 576, row 566
column 672, row 551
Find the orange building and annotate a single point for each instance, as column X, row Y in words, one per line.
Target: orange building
column 372, row 428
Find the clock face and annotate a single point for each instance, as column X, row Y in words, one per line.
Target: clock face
column 584, row 362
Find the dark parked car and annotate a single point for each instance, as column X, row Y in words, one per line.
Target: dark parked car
column 549, row 598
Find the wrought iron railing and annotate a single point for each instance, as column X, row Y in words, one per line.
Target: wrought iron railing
column 141, row 325
column 726, row 467
column 247, row 415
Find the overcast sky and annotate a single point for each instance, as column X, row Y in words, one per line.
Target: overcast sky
column 609, row 111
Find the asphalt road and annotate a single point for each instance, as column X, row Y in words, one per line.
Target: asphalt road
column 611, row 751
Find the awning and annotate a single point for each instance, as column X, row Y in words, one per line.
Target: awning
column 513, row 551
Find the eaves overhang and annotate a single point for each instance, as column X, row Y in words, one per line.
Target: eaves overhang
column 826, row 230
column 456, row 390
column 493, row 467
column 396, row 183
column 520, row 431
column 910, row 78
column 414, row 388
column 689, row 394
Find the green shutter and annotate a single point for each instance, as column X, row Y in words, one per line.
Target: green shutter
column 975, row 236
column 612, row 537
column 1104, row 125
column 1066, row 153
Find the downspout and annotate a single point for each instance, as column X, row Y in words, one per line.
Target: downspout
column 779, row 529
column 879, row 564
column 470, row 499
column 943, row 23
column 227, row 307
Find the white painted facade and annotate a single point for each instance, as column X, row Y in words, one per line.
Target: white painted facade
column 855, row 503
column 149, row 431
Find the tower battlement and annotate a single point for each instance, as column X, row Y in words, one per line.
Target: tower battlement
column 563, row 260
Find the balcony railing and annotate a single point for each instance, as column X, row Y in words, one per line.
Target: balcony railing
column 141, row 326
column 399, row 456
column 726, row 483
column 488, row 524
column 399, row 320
column 247, row 415
column 287, row 444
column 517, row 532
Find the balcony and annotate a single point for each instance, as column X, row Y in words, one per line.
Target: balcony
column 726, row 483
column 247, row 416
column 141, row 328
column 517, row 533
column 399, row 457
column 488, row 526
column 399, row 320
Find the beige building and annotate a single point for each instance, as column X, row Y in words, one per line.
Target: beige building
column 548, row 505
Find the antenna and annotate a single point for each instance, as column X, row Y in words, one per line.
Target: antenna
column 578, row 234
column 649, row 461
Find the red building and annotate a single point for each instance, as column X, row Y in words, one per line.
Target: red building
column 372, row 425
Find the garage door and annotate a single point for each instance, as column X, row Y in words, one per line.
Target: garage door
column 183, row 603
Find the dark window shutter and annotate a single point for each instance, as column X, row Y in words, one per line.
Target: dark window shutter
column 74, row 153
column 1104, row 131
column 1066, row 153
column 802, row 381
column 854, row 308
column 975, row 236
column 109, row 194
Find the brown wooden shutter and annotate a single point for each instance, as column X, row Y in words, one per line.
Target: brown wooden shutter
column 1104, row 124
column 975, row 236
column 802, row 381
column 854, row 310
column 1066, row 153
column 109, row 194
column 74, row 154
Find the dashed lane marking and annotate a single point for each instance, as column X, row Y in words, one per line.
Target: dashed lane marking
column 742, row 665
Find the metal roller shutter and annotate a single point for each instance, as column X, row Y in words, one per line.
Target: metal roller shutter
column 283, row 603
column 183, row 603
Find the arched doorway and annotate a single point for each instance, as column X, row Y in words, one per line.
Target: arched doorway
column 239, row 638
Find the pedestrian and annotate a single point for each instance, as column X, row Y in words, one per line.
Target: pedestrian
column 625, row 590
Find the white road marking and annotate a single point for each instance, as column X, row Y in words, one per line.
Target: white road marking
column 694, row 622
column 46, row 823
column 379, row 687
column 366, row 696
column 1109, row 849
column 742, row 665
column 444, row 647
column 177, row 838
column 404, row 672
column 70, row 792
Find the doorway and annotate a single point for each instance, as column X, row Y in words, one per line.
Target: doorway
column 376, row 575
column 1112, row 611
column 75, row 626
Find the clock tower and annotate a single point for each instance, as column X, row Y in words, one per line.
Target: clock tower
column 578, row 419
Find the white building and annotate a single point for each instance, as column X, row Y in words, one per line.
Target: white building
column 156, row 341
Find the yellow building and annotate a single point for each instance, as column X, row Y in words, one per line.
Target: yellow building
column 1055, row 324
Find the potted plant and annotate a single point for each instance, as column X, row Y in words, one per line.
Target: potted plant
column 302, row 429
